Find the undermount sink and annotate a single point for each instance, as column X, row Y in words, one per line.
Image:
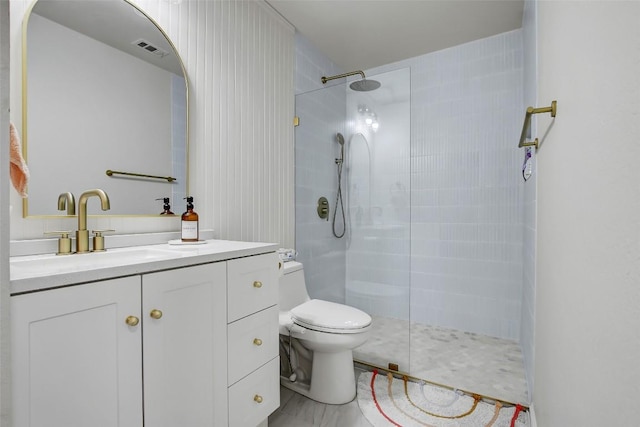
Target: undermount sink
column 42, row 265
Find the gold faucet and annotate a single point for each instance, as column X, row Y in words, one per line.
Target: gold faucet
column 82, row 235
column 68, row 202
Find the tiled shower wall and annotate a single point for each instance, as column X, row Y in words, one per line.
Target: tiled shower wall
column 322, row 114
column 466, row 186
column 466, row 230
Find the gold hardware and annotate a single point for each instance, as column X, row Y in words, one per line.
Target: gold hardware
column 527, row 122
column 68, row 202
column 279, row 265
column 257, row 284
column 64, row 242
column 533, row 143
column 339, row 76
column 98, row 240
column 156, row 314
column 296, row 121
column 257, row 341
column 257, row 398
column 323, row 208
column 109, row 172
column 82, row 235
column 132, row 321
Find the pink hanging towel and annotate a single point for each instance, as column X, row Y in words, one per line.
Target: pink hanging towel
column 19, row 171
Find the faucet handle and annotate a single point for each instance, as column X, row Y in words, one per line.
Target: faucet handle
column 98, row 240
column 64, row 242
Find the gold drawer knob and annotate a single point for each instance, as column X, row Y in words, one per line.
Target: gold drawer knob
column 132, row 320
column 156, row 314
column 257, row 284
column 257, row 398
column 257, row 341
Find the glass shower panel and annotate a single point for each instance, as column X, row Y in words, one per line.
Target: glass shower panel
column 321, row 116
column 377, row 197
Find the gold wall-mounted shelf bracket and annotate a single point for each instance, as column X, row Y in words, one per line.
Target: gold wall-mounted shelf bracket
column 527, row 123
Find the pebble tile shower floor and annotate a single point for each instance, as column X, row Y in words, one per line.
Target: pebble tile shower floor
column 476, row 363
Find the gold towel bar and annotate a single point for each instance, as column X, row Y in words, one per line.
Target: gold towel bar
column 527, row 122
column 109, row 172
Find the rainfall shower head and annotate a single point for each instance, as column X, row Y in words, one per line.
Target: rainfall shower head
column 363, row 85
column 340, row 138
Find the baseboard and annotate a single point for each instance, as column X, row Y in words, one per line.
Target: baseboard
column 532, row 416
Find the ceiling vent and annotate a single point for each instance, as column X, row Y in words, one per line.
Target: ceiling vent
column 143, row 44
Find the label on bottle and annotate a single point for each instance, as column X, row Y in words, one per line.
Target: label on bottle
column 190, row 230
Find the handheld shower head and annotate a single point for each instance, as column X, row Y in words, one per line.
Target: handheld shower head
column 340, row 138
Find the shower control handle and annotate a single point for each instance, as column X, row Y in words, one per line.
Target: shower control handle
column 323, row 208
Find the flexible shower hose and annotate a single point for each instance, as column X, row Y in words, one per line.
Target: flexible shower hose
column 339, row 202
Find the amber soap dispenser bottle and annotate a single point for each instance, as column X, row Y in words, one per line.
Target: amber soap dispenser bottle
column 190, row 223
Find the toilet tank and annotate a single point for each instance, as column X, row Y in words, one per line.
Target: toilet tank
column 293, row 290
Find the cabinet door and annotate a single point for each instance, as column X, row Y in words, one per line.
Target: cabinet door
column 75, row 360
column 184, row 346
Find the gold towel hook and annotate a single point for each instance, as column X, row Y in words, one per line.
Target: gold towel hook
column 527, row 122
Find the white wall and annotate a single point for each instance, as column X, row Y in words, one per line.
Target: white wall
column 587, row 344
column 5, row 327
column 527, row 310
column 239, row 60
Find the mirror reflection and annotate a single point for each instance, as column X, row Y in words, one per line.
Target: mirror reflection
column 103, row 90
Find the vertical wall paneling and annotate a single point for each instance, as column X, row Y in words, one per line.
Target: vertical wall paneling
column 239, row 60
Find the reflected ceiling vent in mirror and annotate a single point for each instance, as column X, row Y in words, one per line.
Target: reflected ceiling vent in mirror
column 143, row 44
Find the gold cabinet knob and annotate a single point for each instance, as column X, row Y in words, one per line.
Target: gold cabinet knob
column 257, row 398
column 132, row 320
column 257, row 284
column 155, row 313
column 257, row 342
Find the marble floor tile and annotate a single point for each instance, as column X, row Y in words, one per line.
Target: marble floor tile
column 298, row 411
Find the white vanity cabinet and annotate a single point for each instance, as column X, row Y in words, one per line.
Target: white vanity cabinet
column 155, row 349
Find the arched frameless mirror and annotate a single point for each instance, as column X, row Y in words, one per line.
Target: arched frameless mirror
column 103, row 89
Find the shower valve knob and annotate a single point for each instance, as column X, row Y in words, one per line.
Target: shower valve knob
column 323, row 208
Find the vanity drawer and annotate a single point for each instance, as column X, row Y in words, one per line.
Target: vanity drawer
column 253, row 341
column 252, row 286
column 253, row 398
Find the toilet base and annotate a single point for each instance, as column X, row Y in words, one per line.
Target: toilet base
column 332, row 379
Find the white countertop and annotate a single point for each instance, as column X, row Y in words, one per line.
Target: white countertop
column 39, row 272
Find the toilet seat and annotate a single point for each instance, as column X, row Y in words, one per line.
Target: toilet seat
column 325, row 316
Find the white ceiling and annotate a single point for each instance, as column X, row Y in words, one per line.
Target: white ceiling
column 362, row 34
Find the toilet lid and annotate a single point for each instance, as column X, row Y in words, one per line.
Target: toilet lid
column 329, row 315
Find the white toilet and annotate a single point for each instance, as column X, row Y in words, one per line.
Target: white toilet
column 317, row 338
